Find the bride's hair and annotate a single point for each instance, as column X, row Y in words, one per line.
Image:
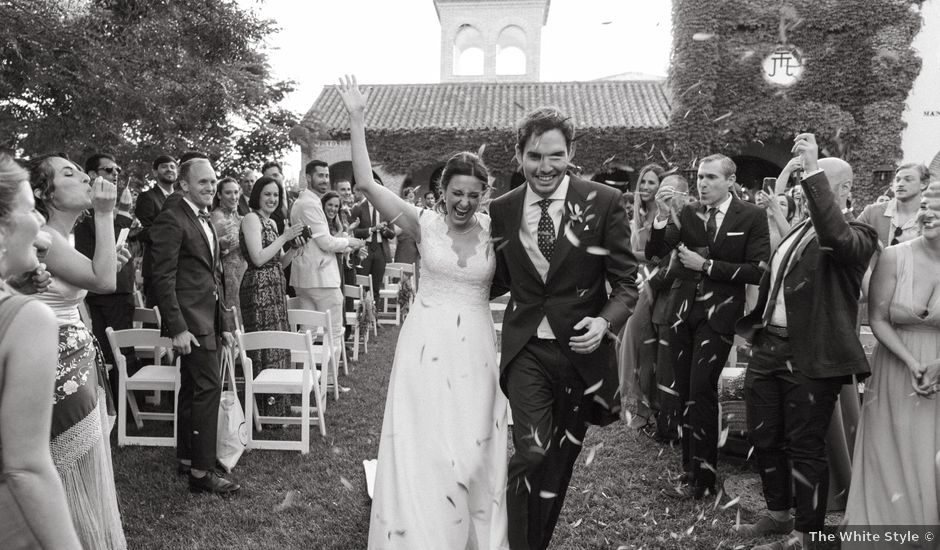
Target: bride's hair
column 463, row 164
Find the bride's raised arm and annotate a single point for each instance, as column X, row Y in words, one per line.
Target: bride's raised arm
column 389, row 205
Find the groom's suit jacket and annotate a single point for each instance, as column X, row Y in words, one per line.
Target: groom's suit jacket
column 592, row 246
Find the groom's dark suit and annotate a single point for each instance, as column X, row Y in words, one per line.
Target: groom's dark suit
column 187, row 283
column 554, row 392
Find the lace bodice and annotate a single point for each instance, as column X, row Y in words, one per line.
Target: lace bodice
column 444, row 281
column 63, row 298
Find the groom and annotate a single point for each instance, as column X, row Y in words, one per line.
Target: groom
column 558, row 238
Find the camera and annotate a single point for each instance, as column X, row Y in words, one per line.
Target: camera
column 306, row 232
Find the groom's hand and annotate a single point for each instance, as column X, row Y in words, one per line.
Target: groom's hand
column 596, row 328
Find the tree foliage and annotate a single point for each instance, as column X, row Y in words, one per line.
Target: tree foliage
column 140, row 78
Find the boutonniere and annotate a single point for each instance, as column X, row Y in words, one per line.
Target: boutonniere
column 579, row 221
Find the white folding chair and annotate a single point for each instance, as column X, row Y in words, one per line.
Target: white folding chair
column 304, row 381
column 150, row 316
column 338, row 347
column 155, row 377
column 365, row 282
column 395, row 273
column 319, row 322
column 352, row 319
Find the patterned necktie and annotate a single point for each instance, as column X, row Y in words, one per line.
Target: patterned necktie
column 711, row 226
column 546, row 231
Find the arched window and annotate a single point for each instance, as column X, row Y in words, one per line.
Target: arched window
column 468, row 51
column 511, row 57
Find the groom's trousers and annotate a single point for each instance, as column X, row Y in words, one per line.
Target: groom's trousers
column 546, row 395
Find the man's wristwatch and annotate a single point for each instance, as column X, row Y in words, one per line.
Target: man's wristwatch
column 706, row 266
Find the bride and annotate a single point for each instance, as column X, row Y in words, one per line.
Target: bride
column 441, row 478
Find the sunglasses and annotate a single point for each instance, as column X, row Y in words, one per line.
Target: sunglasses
column 898, row 231
column 110, row 169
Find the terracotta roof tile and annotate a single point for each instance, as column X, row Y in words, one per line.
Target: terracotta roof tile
column 474, row 106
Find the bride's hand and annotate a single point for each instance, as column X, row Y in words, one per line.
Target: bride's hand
column 353, row 98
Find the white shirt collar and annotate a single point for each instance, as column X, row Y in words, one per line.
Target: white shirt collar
column 723, row 207
column 560, row 193
column 192, row 205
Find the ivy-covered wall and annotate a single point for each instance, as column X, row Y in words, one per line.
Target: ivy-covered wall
column 858, row 70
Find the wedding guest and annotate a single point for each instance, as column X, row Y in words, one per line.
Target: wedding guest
column 332, row 203
column 804, row 349
column 720, row 244
column 430, row 199
column 263, row 287
column 35, row 514
column 779, row 212
column 81, row 399
column 672, row 197
column 894, row 475
column 638, row 343
column 190, row 292
column 149, row 205
column 227, row 221
column 895, row 220
column 406, row 251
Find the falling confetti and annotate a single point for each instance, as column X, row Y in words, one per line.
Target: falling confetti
column 346, row 483
column 731, row 503
column 703, row 36
column 287, row 502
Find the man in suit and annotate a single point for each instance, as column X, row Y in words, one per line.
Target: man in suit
column 672, row 197
column 149, row 205
column 804, row 349
column 720, row 244
column 557, row 239
column 377, row 234
column 115, row 310
column 316, row 277
column 187, row 282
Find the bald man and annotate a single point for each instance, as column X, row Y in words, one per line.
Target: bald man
column 804, row 349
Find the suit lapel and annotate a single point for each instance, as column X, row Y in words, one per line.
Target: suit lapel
column 197, row 225
column 809, row 237
column 730, row 217
column 516, row 218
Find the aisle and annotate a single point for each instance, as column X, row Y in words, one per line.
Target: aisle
column 319, row 501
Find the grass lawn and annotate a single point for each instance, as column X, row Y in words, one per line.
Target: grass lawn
column 319, row 501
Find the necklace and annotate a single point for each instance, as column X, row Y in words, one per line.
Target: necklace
column 465, row 231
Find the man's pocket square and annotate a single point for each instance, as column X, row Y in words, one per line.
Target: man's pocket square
column 735, row 233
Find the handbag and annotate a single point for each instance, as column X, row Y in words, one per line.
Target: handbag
column 15, row 531
column 232, row 438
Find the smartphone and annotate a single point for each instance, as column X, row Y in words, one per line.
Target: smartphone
column 769, row 184
column 122, row 236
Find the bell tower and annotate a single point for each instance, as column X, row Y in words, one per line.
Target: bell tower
column 491, row 40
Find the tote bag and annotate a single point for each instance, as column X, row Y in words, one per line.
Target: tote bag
column 232, row 436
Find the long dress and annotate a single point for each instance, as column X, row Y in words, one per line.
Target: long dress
column 441, row 475
column 79, row 443
column 264, row 307
column 895, row 479
column 227, row 226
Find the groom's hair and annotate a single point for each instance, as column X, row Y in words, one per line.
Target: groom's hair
column 541, row 120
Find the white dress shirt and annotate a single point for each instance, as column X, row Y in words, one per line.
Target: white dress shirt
column 720, row 215
column 528, row 234
column 206, row 226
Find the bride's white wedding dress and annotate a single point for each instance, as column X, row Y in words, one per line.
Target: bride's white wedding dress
column 441, row 479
